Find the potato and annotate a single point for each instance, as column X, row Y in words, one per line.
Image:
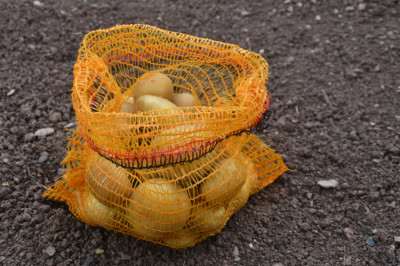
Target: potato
column 245, row 191
column 156, row 84
column 189, row 172
column 204, row 219
column 158, row 208
column 108, row 182
column 151, row 103
column 182, row 239
column 96, row 213
column 172, row 136
column 167, row 137
column 185, row 100
column 224, row 183
column 128, row 106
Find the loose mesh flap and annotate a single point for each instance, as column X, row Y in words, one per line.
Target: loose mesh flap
column 171, row 176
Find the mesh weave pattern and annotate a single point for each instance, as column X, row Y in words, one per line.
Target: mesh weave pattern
column 171, row 176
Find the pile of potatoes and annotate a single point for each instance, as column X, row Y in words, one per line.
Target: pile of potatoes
column 166, row 203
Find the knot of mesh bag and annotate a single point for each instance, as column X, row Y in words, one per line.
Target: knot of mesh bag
column 228, row 82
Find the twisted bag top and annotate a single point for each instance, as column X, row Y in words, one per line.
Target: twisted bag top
column 228, row 81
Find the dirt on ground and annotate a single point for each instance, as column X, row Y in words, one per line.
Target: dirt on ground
column 335, row 91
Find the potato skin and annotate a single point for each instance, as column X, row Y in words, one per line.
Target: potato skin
column 245, row 191
column 156, row 84
column 128, row 106
column 243, row 195
column 187, row 173
column 96, row 213
column 158, row 208
column 221, row 185
column 151, row 103
column 185, row 100
column 207, row 219
column 181, row 239
column 109, row 183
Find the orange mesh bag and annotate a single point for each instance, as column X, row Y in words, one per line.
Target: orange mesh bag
column 158, row 152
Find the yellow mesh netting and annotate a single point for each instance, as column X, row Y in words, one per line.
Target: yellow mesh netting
column 168, row 171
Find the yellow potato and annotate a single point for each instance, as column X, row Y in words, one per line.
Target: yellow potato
column 128, row 106
column 169, row 136
column 224, row 183
column 182, row 239
column 180, row 134
column 185, row 100
column 108, row 182
column 156, row 84
column 245, row 191
column 187, row 173
column 151, row 103
column 190, row 173
column 207, row 219
column 158, row 208
column 97, row 214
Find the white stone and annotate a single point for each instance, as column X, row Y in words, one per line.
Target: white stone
column 37, row 3
column 236, row 251
column 50, row 251
column 11, row 92
column 328, row 183
column 44, row 131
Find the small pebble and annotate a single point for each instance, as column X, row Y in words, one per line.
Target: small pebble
column 43, row 157
column 37, row 3
column 236, row 254
column 55, row 117
column 91, row 261
column 14, row 130
column 349, row 233
column 70, row 125
column 50, row 251
column 397, row 239
column 11, row 92
column 362, row 6
column 244, row 13
column 236, row 251
column 124, row 256
column 349, row 8
column 44, row 132
column 99, row 251
column 328, row 183
column 370, row 241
